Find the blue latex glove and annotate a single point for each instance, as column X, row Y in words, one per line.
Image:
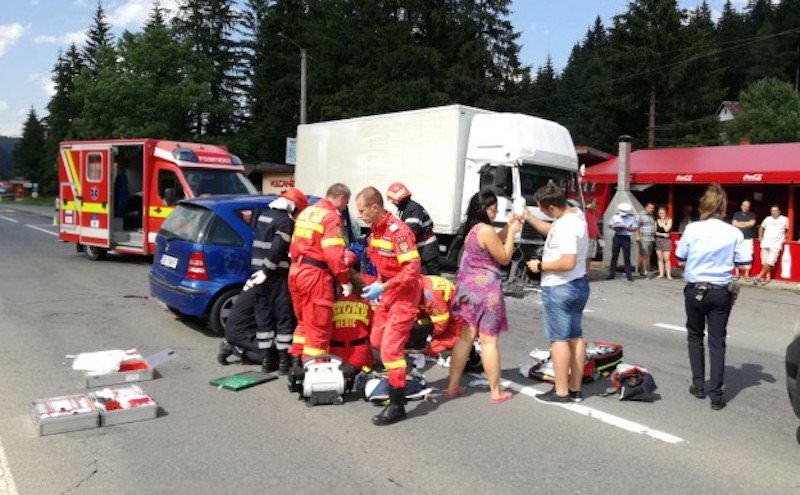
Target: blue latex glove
column 373, row 291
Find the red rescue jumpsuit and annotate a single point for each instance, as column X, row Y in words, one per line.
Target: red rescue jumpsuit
column 351, row 322
column 393, row 252
column 437, row 295
column 317, row 252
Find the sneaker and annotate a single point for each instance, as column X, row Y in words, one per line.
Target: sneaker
column 717, row 403
column 697, row 392
column 576, row 395
column 551, row 397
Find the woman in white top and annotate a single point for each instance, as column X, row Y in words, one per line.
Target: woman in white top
column 565, row 290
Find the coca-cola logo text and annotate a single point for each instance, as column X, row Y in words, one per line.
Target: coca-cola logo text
column 683, row 178
column 752, row 177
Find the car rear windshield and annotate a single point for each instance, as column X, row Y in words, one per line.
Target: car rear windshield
column 186, row 223
column 211, row 182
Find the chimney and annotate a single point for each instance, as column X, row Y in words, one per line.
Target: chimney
column 624, row 164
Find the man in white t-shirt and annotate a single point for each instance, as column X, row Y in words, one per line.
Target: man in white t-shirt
column 772, row 233
column 565, row 290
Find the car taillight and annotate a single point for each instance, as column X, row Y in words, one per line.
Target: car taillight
column 197, row 267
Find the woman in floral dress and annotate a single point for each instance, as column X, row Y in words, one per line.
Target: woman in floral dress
column 478, row 299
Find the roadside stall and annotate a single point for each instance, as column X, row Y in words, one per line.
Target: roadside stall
column 764, row 174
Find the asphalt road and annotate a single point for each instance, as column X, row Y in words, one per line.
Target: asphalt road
column 54, row 302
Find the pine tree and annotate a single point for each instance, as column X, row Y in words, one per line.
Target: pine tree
column 29, row 151
column 765, row 58
column 98, row 37
column 646, row 42
column 731, row 30
column 208, row 26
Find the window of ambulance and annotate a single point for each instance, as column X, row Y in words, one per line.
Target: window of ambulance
column 186, row 223
column 212, row 182
column 169, row 179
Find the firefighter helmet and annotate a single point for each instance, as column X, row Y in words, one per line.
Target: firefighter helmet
column 397, row 192
column 297, row 197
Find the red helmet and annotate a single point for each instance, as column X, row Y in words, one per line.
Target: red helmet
column 350, row 258
column 297, row 197
column 397, row 192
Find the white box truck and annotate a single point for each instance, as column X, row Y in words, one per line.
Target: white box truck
column 443, row 155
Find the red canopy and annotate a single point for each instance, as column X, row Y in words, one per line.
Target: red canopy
column 743, row 164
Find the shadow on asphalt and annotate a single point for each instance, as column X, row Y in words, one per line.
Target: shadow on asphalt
column 748, row 375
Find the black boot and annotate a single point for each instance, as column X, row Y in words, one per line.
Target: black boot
column 395, row 411
column 225, row 350
column 284, row 362
column 270, row 362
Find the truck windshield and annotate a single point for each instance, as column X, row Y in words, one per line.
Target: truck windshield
column 532, row 177
column 186, row 223
column 212, row 182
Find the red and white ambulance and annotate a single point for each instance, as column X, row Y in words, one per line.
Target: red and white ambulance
column 114, row 195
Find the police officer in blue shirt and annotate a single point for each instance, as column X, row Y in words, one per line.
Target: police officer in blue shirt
column 624, row 224
column 709, row 250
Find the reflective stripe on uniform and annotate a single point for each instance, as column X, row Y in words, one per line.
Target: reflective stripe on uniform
column 394, row 365
column 282, row 346
column 382, row 244
column 283, row 235
column 402, row 258
column 409, row 221
column 314, row 351
column 262, row 244
column 333, row 241
column 440, row 318
column 298, row 339
column 430, row 240
column 264, row 344
column 264, row 335
column 265, row 219
column 316, row 227
column 284, row 337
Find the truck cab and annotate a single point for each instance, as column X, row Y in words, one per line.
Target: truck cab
column 114, row 195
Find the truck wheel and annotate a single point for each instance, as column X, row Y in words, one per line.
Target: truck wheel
column 220, row 309
column 95, row 253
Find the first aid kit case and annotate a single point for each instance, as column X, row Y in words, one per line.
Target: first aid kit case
column 124, row 404
column 64, row 414
column 130, row 370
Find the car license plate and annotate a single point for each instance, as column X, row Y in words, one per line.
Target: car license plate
column 169, row 261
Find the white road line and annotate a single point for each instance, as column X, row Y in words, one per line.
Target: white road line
column 670, row 327
column 34, row 227
column 590, row 412
column 9, row 219
column 7, row 485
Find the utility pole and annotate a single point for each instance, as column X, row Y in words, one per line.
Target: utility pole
column 303, row 77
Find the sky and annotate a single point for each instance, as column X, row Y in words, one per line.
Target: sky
column 32, row 32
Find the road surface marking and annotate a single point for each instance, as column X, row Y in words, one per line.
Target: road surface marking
column 7, row 485
column 34, row 227
column 590, row 412
column 670, row 327
column 9, row 219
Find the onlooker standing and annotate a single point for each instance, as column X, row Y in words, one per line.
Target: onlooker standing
column 478, row 299
column 624, row 225
column 745, row 220
column 646, row 237
column 565, row 290
column 664, row 243
column 772, row 234
column 710, row 248
column 594, row 233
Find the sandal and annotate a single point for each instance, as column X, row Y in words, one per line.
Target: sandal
column 452, row 395
column 504, row 397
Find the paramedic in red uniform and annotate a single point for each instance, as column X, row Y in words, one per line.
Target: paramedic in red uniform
column 352, row 317
column 317, row 251
column 392, row 250
column 437, row 294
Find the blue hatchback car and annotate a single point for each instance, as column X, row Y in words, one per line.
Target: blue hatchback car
column 202, row 256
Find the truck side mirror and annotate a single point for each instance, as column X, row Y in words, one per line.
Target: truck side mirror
column 170, row 196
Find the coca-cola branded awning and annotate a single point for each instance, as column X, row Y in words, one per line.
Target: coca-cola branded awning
column 744, row 164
